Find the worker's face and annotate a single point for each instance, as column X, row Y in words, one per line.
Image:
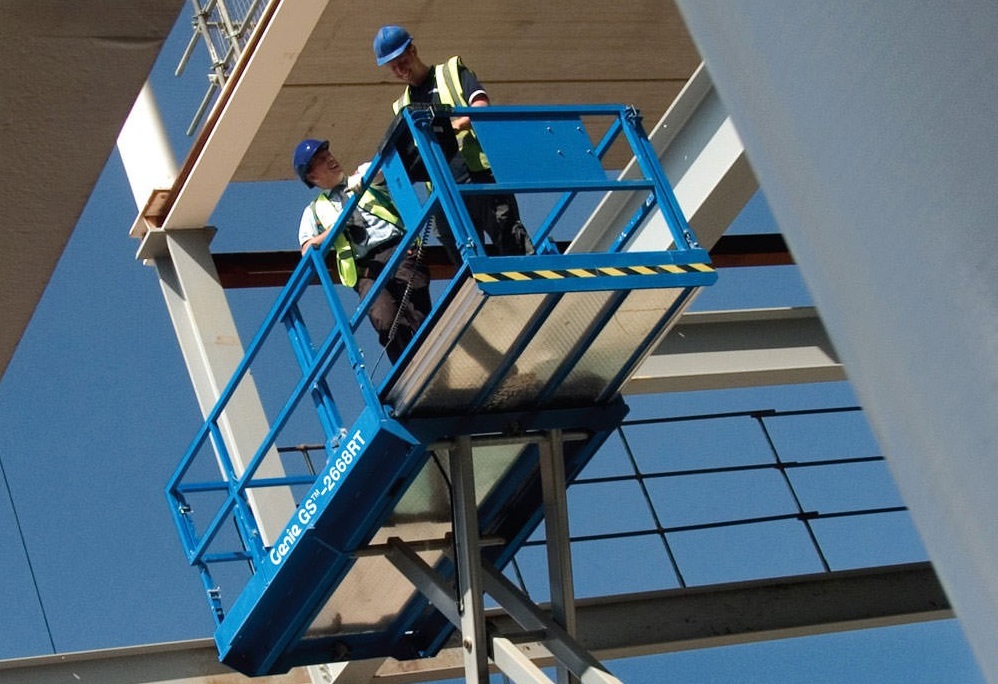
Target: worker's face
column 407, row 67
column 324, row 170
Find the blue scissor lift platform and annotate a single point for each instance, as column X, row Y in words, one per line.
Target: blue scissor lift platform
column 516, row 373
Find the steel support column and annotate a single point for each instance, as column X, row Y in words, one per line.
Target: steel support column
column 556, row 535
column 211, row 348
column 469, row 562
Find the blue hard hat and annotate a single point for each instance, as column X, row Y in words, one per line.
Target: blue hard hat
column 389, row 43
column 307, row 149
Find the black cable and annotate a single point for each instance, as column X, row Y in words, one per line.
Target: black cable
column 420, row 241
column 445, row 475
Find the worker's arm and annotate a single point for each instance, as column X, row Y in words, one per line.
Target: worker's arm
column 477, row 97
column 315, row 241
column 462, row 123
column 309, row 231
column 354, row 181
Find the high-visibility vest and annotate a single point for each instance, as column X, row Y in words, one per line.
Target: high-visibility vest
column 449, row 92
column 373, row 201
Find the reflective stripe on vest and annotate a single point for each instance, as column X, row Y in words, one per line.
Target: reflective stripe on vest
column 376, row 201
column 373, row 201
column 449, row 92
column 345, row 264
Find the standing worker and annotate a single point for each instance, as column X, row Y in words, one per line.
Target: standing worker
column 452, row 83
column 365, row 246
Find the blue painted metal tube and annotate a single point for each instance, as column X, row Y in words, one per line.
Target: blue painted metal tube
column 525, row 112
column 547, row 187
column 636, row 221
column 179, row 509
column 238, row 486
column 228, row 557
column 211, row 590
column 219, row 485
column 296, row 286
column 303, row 385
column 609, row 137
column 301, row 344
column 328, row 289
column 666, row 198
column 235, row 505
column 442, row 182
column 302, row 273
column 199, row 548
column 349, row 343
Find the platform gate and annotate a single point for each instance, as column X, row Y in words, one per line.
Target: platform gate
column 460, row 450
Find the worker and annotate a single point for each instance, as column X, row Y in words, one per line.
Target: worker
column 452, row 83
column 366, row 244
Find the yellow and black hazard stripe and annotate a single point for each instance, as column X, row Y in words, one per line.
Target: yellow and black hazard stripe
column 611, row 271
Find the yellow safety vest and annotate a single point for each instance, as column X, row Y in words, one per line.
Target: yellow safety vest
column 450, row 93
column 373, row 201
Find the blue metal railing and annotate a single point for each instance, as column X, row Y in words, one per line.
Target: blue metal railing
column 416, row 139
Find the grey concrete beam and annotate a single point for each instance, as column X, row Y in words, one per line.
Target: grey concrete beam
column 704, row 617
column 745, row 348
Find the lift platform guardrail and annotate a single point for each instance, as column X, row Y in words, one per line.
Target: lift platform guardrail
column 515, row 347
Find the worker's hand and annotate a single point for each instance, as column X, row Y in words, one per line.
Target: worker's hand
column 354, row 181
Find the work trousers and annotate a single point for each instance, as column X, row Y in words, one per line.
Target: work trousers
column 395, row 315
column 497, row 216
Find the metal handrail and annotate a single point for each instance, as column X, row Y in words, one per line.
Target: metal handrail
column 224, row 27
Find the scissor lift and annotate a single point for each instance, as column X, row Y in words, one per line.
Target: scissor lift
column 467, row 443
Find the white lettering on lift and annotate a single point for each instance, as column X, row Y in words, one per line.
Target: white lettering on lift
column 307, row 510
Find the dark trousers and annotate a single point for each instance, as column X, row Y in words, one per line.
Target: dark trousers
column 497, row 216
column 395, row 315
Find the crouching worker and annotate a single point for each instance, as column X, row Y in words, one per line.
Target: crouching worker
column 366, row 245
